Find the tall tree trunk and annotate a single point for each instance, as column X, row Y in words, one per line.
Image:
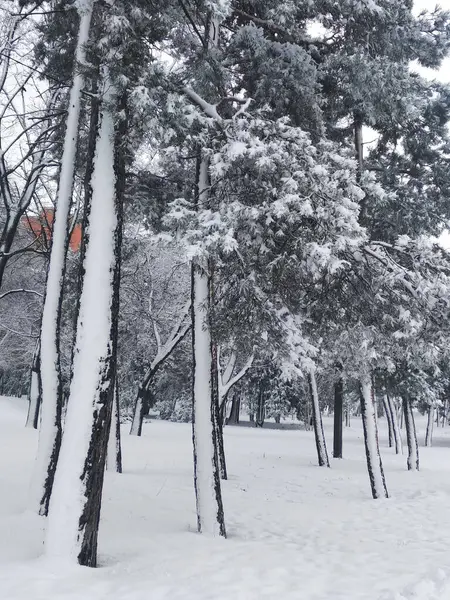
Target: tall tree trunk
column 34, row 390
column 374, row 464
column 74, row 513
column 388, row 414
column 51, row 428
column 233, row 418
column 411, row 436
column 338, row 417
column 430, row 425
column 322, row 454
column 114, row 456
column 210, row 515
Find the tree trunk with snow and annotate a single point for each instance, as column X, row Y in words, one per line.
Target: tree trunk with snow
column 395, row 426
column 74, row 512
column 221, row 447
column 114, row 456
column 50, row 430
column 141, row 408
column 390, row 425
column 430, row 426
column 34, row 391
column 210, row 515
column 218, row 409
column 373, row 457
column 338, row 418
column 411, row 436
column 322, row 454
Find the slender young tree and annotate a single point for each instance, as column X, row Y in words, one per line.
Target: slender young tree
column 338, row 417
column 411, row 435
column 430, row 425
column 51, row 429
column 322, row 454
column 114, row 455
column 35, row 390
column 143, row 397
column 373, row 457
column 390, row 425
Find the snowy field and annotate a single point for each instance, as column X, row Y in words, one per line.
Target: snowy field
column 295, row 531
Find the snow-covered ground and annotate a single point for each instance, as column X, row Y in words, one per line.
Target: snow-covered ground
column 295, row 531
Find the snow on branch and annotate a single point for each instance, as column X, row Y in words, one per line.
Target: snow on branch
column 226, row 380
column 20, row 291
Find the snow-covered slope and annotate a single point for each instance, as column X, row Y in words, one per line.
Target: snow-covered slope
column 296, row 531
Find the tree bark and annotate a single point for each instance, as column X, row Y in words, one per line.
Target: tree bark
column 141, row 409
column 373, row 457
column 322, row 454
column 75, row 505
column 395, row 426
column 430, row 425
column 34, row 391
column 51, row 410
column 388, row 414
column 114, row 456
column 233, row 418
column 219, row 408
column 411, row 436
column 260, row 415
column 338, row 418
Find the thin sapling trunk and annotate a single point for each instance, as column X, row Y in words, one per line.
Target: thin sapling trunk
column 322, row 454
column 373, row 457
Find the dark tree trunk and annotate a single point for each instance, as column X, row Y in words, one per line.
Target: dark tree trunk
column 411, row 436
column 233, row 419
column 251, row 417
column 260, row 407
column 219, row 410
column 373, row 457
column 388, row 413
column 141, row 408
column 221, row 449
column 34, row 391
column 114, row 457
column 7, row 239
column 338, row 417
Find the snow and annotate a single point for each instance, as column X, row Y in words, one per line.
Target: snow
column 295, row 531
